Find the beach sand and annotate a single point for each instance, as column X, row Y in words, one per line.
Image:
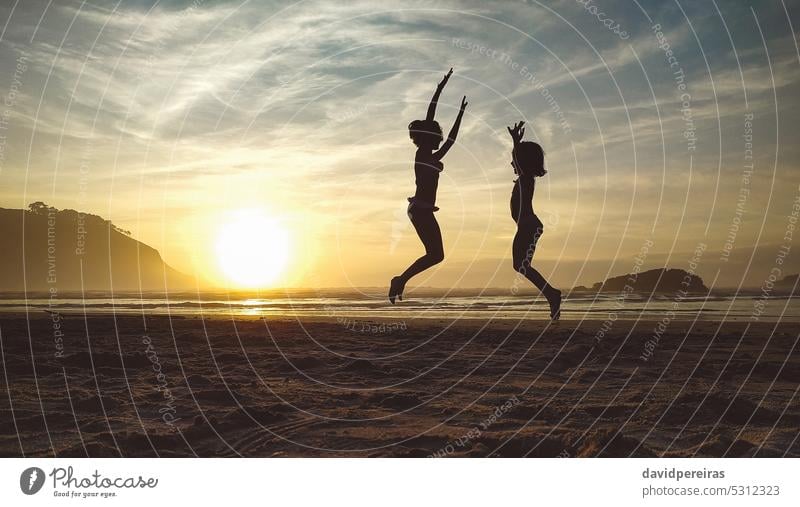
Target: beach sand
column 323, row 387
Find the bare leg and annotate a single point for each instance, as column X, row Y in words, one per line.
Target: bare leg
column 428, row 231
column 524, row 247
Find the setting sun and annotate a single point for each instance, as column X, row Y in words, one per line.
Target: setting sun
column 252, row 248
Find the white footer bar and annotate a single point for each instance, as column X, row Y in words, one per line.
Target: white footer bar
column 400, row 482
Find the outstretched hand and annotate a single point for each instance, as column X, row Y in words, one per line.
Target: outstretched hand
column 445, row 78
column 464, row 103
column 432, row 106
column 518, row 132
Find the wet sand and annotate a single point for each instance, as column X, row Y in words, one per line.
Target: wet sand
column 320, row 387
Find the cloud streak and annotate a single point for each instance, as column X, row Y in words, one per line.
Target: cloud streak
column 304, row 106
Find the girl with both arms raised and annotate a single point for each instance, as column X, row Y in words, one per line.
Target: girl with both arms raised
column 528, row 162
column 427, row 135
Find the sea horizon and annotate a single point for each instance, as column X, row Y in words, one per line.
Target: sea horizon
column 424, row 303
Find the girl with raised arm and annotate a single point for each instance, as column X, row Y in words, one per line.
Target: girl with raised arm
column 427, row 135
column 528, row 162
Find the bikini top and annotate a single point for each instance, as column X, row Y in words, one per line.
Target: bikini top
column 426, row 173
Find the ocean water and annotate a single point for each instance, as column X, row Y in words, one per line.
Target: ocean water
column 367, row 304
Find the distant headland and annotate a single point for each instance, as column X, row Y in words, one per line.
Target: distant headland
column 66, row 250
column 663, row 280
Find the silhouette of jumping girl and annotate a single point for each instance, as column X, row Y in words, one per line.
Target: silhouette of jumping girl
column 528, row 162
column 427, row 135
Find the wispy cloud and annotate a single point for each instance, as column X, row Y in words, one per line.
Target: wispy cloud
column 305, row 105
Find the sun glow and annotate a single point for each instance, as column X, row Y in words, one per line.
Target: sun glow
column 252, row 248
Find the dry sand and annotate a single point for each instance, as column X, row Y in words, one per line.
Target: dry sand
column 250, row 387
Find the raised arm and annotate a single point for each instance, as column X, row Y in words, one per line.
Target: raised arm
column 435, row 99
column 517, row 133
column 451, row 137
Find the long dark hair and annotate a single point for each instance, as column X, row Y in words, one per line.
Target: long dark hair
column 529, row 159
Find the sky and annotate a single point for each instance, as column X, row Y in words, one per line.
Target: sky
column 669, row 127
